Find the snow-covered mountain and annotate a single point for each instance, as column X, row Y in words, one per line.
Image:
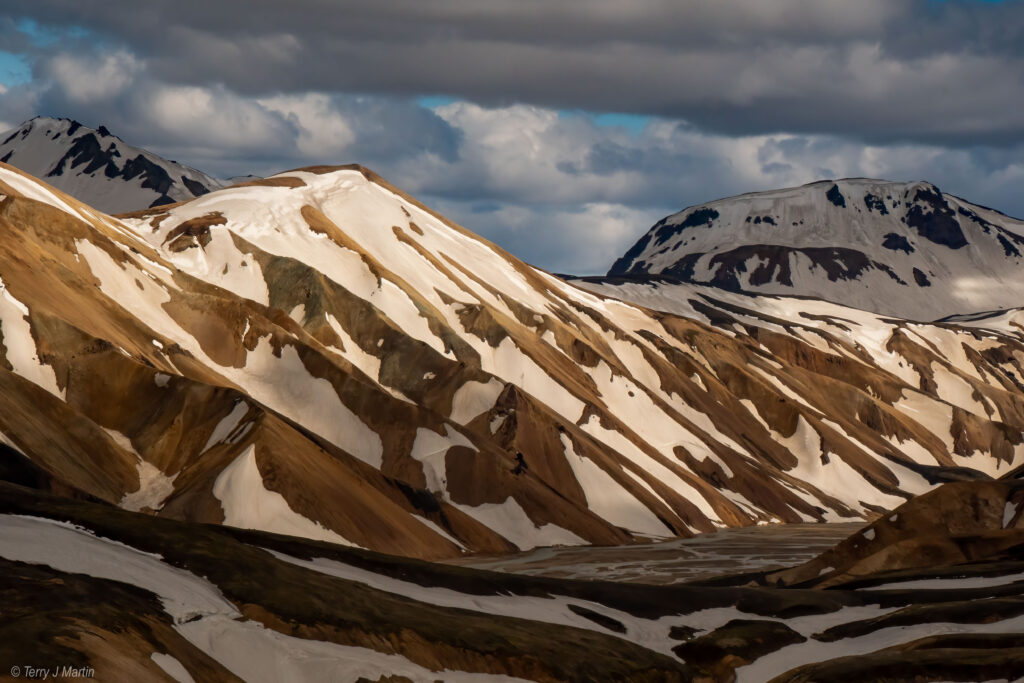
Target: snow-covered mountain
column 318, row 354
column 98, row 167
column 900, row 249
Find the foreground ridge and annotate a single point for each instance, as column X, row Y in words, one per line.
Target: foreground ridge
column 130, row 595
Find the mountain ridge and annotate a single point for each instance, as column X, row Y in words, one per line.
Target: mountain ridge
column 99, row 167
column 284, row 340
column 902, row 249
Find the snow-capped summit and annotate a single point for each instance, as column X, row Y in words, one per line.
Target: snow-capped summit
column 98, row 167
column 903, row 249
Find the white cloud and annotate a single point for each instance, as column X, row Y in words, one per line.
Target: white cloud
column 322, row 130
column 88, row 79
column 213, row 116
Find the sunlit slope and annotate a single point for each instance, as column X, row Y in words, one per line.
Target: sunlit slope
column 318, row 354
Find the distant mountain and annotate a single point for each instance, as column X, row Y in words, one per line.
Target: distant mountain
column 901, row 249
column 98, row 167
column 318, row 354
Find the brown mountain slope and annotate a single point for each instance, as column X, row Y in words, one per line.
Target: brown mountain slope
column 319, row 355
column 953, row 525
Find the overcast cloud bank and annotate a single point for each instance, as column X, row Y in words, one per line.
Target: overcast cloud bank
column 739, row 95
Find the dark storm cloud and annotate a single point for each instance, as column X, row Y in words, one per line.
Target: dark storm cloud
column 741, row 95
column 880, row 69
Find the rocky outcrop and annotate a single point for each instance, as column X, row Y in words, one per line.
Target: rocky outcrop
column 957, row 523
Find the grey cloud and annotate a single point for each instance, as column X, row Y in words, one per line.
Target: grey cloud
column 18, row 103
column 885, row 70
column 581, row 240
column 12, row 39
column 516, row 21
column 887, row 89
column 221, row 131
column 390, row 129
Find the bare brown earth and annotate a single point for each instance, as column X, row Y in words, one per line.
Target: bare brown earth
column 272, row 182
column 194, row 232
column 958, row 523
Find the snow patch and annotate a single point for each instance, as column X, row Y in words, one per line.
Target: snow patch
column 154, row 489
column 607, row 498
column 21, row 347
column 172, row 667
column 509, row 520
column 72, row 549
column 154, row 485
column 1008, row 513
column 248, row 504
column 285, row 385
column 439, row 531
column 430, row 448
column 474, row 398
column 227, row 425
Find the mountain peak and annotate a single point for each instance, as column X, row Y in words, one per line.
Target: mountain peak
column 98, row 167
column 862, row 242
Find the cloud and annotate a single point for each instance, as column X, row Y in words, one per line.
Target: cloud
column 92, row 79
column 321, row 129
column 211, row 116
column 883, row 70
column 737, row 96
column 18, row 103
column 569, row 195
column 577, row 240
column 557, row 189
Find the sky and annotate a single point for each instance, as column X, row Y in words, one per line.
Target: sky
column 560, row 129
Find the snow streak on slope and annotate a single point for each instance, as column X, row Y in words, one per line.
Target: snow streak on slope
column 903, row 249
column 98, row 167
column 400, row 369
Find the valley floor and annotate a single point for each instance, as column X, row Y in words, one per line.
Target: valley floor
column 727, row 551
